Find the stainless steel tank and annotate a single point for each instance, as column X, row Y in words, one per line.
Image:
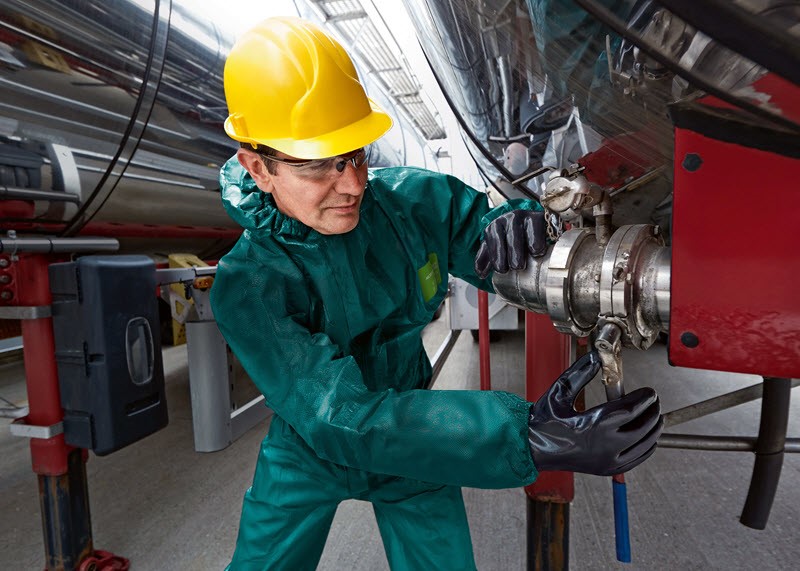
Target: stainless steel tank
column 544, row 83
column 111, row 123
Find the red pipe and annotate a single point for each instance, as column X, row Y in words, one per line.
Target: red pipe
column 125, row 230
column 49, row 457
column 483, row 340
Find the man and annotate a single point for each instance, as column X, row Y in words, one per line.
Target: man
column 323, row 300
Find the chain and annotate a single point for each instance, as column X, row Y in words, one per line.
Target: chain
column 553, row 224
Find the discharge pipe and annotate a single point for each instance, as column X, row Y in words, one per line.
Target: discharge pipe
column 582, row 284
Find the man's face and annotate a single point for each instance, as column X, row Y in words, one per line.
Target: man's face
column 319, row 196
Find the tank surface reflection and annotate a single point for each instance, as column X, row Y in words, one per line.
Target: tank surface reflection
column 544, row 84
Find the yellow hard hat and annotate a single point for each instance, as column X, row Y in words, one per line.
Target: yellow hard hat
column 292, row 87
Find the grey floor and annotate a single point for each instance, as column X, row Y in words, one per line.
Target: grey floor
column 166, row 507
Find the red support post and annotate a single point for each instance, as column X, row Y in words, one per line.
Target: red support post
column 61, row 468
column 49, row 457
column 483, row 340
column 546, row 357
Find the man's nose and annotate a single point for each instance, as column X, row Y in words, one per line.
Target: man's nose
column 349, row 182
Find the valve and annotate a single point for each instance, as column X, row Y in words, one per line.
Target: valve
column 568, row 192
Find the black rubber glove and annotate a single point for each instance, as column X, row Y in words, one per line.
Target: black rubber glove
column 509, row 239
column 608, row 439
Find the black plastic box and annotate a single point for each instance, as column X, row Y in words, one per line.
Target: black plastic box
column 108, row 350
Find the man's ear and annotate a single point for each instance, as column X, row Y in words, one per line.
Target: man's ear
column 254, row 165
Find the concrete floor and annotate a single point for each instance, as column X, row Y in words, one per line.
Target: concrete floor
column 166, row 507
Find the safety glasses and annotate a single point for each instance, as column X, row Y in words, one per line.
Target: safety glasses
column 321, row 169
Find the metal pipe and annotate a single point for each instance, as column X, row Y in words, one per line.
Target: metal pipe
column 118, row 230
column 769, row 452
column 547, row 535
column 66, row 521
column 583, row 291
column 507, row 94
column 441, row 355
column 58, row 245
column 532, row 174
column 716, row 404
column 719, row 443
column 580, row 283
column 602, row 213
column 712, row 443
column 12, row 193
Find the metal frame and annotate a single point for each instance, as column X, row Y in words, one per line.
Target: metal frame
column 216, row 421
column 769, row 447
column 716, row 442
column 442, row 353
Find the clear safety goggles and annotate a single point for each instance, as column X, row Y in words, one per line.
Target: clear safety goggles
column 323, row 169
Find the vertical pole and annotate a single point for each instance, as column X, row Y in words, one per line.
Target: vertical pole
column 546, row 357
column 61, row 469
column 769, row 452
column 548, row 535
column 483, row 340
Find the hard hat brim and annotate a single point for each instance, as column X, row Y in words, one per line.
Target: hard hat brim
column 354, row 136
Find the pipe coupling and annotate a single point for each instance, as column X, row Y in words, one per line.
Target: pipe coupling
column 582, row 284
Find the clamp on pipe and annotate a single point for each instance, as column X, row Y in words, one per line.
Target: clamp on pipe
column 608, row 345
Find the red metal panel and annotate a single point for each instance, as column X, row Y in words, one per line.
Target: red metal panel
column 735, row 257
column 781, row 94
column 621, row 159
column 546, row 357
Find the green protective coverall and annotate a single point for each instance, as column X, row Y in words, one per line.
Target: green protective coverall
column 328, row 328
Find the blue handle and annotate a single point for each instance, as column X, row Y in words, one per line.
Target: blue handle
column 621, row 521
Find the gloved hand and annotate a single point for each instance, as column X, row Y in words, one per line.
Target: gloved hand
column 608, row 439
column 509, row 239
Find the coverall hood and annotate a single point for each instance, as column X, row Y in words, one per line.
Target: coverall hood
column 252, row 208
